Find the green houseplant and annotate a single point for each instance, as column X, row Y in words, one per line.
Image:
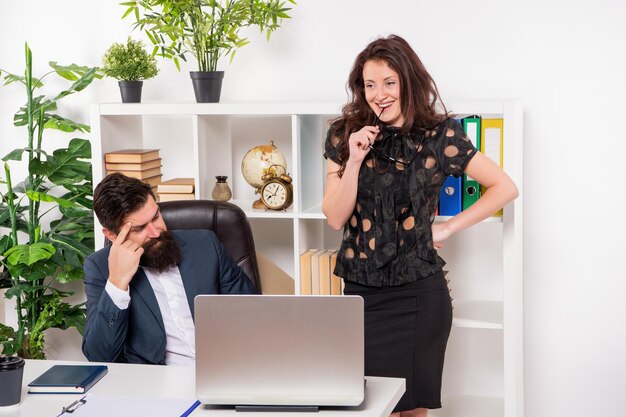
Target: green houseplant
column 37, row 258
column 206, row 29
column 130, row 64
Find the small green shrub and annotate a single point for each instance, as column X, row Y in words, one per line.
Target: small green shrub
column 130, row 62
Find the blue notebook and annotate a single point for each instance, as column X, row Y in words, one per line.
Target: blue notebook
column 67, row 379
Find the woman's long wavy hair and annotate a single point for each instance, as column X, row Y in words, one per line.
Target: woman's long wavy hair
column 418, row 92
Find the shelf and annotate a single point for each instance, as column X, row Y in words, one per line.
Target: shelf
column 218, row 109
column 469, row 406
column 246, row 206
column 314, row 212
column 488, row 108
column 492, row 219
column 477, row 314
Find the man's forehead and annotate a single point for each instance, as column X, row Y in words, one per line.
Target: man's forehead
column 144, row 214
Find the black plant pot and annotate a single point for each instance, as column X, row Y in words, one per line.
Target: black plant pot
column 207, row 85
column 131, row 91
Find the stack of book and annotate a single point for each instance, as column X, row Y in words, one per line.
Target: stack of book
column 316, row 273
column 143, row 164
column 176, row 189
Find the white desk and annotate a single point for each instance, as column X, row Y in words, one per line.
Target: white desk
column 173, row 382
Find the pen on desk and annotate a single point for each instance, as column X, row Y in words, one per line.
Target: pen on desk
column 190, row 409
column 73, row 406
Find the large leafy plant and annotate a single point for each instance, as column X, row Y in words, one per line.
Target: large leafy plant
column 207, row 29
column 38, row 258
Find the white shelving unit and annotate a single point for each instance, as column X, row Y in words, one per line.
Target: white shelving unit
column 484, row 362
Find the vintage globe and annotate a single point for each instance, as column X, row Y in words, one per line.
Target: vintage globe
column 262, row 160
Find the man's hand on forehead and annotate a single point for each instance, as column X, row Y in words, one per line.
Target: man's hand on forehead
column 124, row 258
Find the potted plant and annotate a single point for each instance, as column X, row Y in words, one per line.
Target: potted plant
column 38, row 257
column 130, row 64
column 206, row 29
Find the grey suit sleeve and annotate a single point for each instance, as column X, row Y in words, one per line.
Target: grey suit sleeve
column 233, row 280
column 105, row 331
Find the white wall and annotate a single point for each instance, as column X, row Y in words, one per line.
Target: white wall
column 564, row 59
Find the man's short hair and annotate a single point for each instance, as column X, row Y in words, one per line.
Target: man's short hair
column 118, row 196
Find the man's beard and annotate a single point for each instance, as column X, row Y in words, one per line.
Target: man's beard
column 161, row 254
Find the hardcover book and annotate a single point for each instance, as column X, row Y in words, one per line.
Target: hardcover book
column 176, row 185
column 67, row 379
column 305, row 272
column 336, row 283
column 163, row 197
column 131, row 155
column 141, row 175
column 324, row 273
column 136, row 166
column 153, row 182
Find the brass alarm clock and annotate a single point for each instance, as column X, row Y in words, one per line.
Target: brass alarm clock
column 277, row 191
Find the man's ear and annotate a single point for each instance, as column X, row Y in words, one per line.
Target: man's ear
column 109, row 234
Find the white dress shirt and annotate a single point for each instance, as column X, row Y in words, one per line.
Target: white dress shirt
column 179, row 327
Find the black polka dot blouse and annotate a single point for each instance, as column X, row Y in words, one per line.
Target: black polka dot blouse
column 387, row 240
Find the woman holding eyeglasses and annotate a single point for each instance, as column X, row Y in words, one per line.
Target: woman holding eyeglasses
column 387, row 158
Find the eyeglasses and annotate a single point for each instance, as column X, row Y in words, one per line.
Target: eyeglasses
column 391, row 158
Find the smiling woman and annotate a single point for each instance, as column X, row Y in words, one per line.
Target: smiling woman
column 383, row 186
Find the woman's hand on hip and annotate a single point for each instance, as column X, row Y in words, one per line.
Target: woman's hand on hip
column 440, row 234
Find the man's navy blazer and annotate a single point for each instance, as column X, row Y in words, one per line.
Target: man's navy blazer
column 137, row 334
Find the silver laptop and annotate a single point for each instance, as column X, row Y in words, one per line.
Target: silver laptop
column 279, row 350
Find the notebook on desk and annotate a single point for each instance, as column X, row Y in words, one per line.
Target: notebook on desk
column 279, row 350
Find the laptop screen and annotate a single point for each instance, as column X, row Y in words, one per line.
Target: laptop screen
column 279, row 350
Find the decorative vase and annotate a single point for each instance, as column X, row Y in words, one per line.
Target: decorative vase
column 131, row 91
column 221, row 191
column 207, row 85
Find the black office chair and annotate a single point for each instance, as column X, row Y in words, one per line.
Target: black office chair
column 229, row 223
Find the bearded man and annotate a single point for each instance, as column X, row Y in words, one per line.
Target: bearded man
column 140, row 289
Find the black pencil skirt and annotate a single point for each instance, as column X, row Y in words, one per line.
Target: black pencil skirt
column 406, row 332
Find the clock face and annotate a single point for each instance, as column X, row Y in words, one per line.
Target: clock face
column 274, row 195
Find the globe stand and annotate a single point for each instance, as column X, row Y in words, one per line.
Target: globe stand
column 258, row 204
